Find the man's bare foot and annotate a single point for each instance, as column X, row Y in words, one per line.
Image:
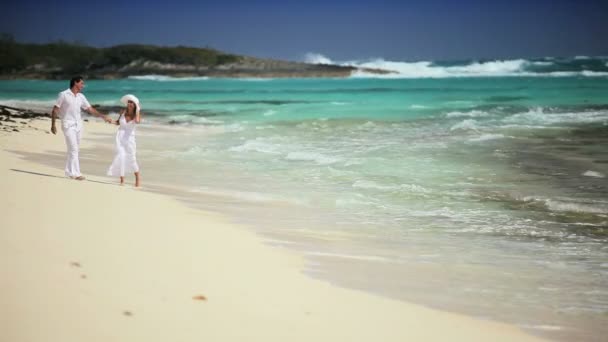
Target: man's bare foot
column 122, row 180
column 80, row 178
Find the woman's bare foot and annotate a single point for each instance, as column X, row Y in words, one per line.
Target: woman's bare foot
column 122, row 180
column 137, row 179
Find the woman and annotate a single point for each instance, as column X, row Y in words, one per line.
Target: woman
column 124, row 158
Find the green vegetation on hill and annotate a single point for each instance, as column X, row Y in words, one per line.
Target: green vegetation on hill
column 61, row 58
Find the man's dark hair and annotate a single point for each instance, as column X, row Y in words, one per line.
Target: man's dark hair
column 75, row 80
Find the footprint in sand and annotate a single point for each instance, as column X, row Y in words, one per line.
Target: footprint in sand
column 77, row 265
column 199, row 297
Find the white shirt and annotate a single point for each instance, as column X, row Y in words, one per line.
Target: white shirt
column 70, row 106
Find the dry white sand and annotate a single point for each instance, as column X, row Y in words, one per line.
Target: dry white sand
column 93, row 261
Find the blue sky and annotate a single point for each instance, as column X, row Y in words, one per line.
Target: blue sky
column 341, row 30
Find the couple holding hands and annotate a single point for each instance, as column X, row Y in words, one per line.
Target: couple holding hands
column 68, row 107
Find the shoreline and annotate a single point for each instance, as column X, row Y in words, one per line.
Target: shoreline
column 143, row 275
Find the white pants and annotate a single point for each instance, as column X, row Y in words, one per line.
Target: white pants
column 72, row 135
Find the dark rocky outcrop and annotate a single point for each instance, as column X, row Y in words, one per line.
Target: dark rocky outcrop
column 63, row 60
column 15, row 119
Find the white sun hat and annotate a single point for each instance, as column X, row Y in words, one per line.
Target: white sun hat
column 130, row 97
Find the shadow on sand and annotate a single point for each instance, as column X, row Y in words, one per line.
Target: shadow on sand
column 62, row 177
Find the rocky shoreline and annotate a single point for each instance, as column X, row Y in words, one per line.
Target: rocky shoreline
column 14, row 119
column 245, row 69
column 61, row 61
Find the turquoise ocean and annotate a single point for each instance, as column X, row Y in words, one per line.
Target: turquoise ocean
column 478, row 187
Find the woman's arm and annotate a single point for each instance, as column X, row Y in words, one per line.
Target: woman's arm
column 117, row 122
column 137, row 117
column 91, row 110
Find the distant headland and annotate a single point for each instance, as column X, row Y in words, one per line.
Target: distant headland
column 62, row 60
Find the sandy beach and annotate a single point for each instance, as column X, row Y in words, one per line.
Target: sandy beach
column 93, row 261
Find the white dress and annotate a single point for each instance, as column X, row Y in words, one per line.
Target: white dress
column 124, row 157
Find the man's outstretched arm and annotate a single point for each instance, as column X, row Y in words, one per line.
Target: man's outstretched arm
column 91, row 110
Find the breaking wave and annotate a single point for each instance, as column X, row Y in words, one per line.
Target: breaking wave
column 546, row 67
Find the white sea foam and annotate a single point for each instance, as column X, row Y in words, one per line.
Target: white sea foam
column 441, row 212
column 311, row 156
column 575, row 207
column 263, row 127
column 539, row 115
column 249, row 196
column 544, row 327
column 413, row 188
column 235, row 127
column 354, row 161
column 427, row 69
column 367, row 125
column 465, row 125
column 471, row 114
column 166, row 78
column 35, row 105
column 486, row 137
column 364, row 184
column 591, row 73
column 277, row 242
column 415, row 106
column 570, row 205
column 349, row 256
column 256, row 146
column 353, row 202
column 181, row 118
column 185, row 118
column 594, row 174
column 538, row 63
column 206, row 121
column 316, row 58
column 511, row 126
column 194, row 151
column 110, row 103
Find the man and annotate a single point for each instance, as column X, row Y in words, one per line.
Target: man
column 68, row 106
